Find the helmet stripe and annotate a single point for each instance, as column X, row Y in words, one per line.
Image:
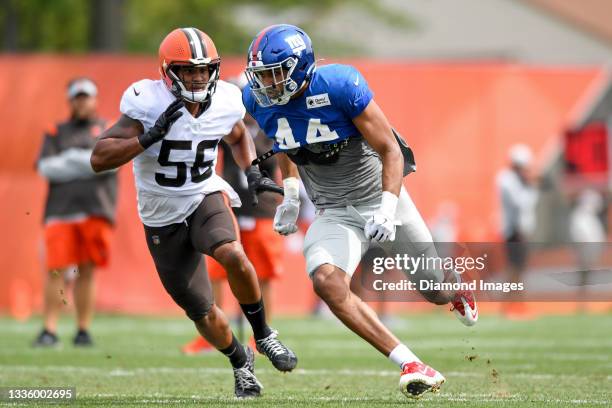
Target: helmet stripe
column 202, row 43
column 195, row 43
column 191, row 44
column 260, row 37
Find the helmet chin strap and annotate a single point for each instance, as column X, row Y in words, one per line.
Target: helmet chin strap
column 301, row 88
column 195, row 97
column 286, row 97
column 189, row 96
column 180, row 91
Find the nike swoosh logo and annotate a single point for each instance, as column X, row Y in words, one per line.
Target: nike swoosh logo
column 135, row 92
column 356, row 81
column 256, row 311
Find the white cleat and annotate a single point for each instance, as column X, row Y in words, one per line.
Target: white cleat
column 465, row 308
column 418, row 378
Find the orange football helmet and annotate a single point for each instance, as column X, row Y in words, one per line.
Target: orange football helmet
column 188, row 46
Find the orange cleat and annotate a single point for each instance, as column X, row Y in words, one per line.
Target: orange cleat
column 252, row 343
column 197, row 346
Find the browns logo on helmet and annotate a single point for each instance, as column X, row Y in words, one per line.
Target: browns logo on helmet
column 189, row 47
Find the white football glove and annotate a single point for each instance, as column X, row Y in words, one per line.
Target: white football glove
column 285, row 219
column 381, row 226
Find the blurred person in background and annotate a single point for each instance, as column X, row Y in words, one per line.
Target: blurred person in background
column 262, row 245
column 79, row 212
column 519, row 197
column 171, row 127
column 588, row 235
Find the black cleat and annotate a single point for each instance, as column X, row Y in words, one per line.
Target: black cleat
column 46, row 339
column 82, row 339
column 282, row 358
column 246, row 384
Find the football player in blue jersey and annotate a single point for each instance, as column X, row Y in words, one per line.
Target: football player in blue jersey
column 332, row 134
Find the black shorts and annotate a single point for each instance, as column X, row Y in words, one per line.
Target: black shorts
column 517, row 250
column 177, row 252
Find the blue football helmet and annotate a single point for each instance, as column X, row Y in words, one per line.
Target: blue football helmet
column 279, row 64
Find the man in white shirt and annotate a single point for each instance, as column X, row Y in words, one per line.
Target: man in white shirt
column 518, row 197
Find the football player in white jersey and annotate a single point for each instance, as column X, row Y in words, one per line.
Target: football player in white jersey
column 171, row 128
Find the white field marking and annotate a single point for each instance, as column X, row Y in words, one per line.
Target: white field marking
column 202, row 370
column 171, row 326
column 529, row 376
column 162, row 398
column 514, row 343
column 526, row 353
column 435, row 341
column 332, row 347
column 174, row 326
column 121, row 373
column 556, row 356
column 118, row 372
column 514, row 360
column 490, row 398
column 541, row 356
column 167, row 399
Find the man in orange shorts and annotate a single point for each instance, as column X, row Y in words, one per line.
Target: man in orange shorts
column 79, row 212
column 262, row 245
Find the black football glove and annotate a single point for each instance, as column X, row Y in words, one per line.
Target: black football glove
column 260, row 182
column 162, row 125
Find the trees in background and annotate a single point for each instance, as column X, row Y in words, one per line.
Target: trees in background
column 128, row 25
column 137, row 26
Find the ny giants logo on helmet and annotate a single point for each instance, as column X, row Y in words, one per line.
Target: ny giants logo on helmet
column 279, row 64
column 296, row 43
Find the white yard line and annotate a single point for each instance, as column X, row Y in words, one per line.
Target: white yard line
column 161, row 398
column 120, row 372
column 332, row 347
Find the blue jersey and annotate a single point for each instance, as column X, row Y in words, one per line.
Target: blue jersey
column 322, row 114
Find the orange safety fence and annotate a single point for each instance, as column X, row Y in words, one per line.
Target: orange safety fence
column 460, row 119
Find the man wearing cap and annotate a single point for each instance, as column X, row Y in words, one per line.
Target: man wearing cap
column 518, row 197
column 79, row 212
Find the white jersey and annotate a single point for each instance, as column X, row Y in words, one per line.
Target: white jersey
column 174, row 174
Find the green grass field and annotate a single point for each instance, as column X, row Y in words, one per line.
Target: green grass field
column 552, row 361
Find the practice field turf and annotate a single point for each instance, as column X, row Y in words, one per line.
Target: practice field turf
column 552, row 361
